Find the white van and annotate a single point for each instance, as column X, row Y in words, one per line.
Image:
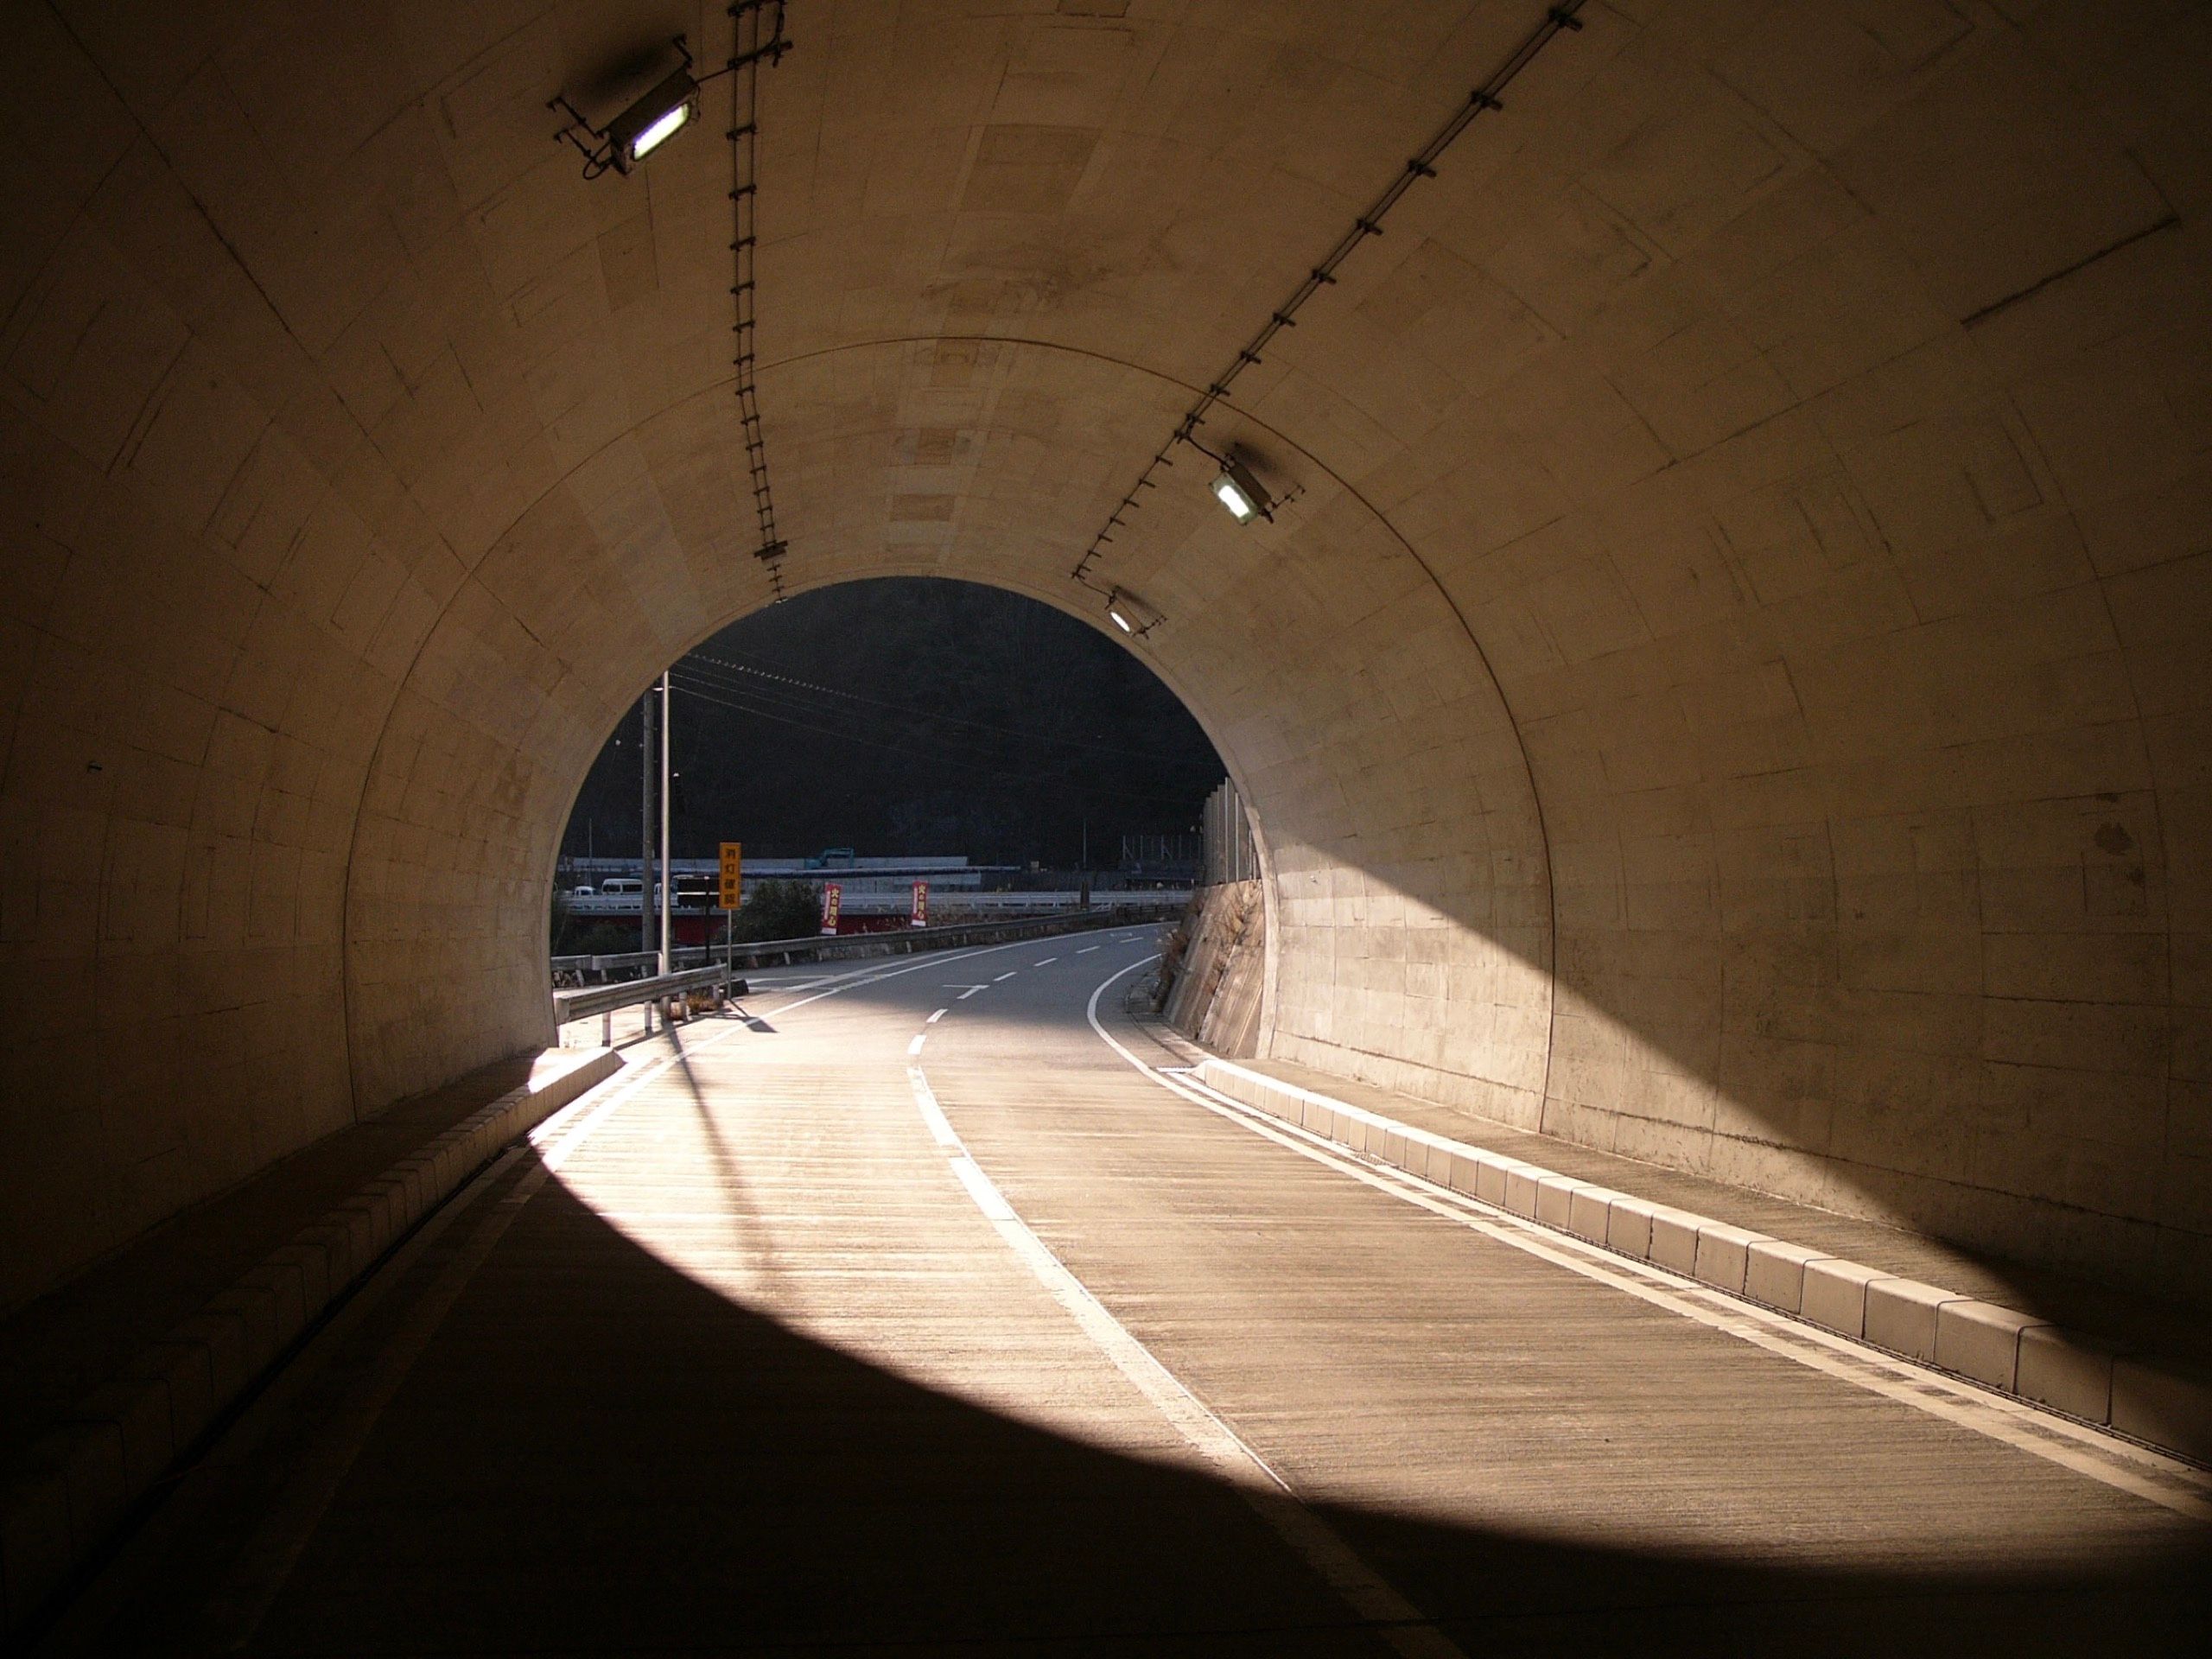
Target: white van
column 622, row 887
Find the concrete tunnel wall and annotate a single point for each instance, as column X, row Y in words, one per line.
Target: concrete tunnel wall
column 1730, row 688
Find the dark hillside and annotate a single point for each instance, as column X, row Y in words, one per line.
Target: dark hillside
column 907, row 715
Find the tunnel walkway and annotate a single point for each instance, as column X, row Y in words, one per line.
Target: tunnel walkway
column 907, row 1316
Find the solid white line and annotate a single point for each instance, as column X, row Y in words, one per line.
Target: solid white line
column 557, row 1143
column 989, row 1199
column 1374, row 1598
column 2054, row 1439
column 915, row 1047
column 932, row 1114
column 939, row 1015
column 558, row 1139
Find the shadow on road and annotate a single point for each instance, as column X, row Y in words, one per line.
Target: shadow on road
column 637, row 1465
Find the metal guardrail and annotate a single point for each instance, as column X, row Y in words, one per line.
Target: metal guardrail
column 655, row 992
column 606, row 999
column 844, row 946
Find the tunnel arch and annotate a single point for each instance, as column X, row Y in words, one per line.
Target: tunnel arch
column 1221, row 675
column 1800, row 406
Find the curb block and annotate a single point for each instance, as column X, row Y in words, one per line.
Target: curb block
column 82, row 1479
column 2013, row 1352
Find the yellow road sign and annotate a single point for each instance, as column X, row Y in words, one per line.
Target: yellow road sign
column 733, row 883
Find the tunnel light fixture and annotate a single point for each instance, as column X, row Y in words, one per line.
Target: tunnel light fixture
column 649, row 123
column 1238, row 491
column 654, row 119
column 1130, row 614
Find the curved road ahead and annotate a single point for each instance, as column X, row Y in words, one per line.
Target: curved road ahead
column 919, row 1311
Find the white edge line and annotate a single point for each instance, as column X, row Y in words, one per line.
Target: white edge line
column 2017, row 1424
column 1404, row 1625
column 932, row 1114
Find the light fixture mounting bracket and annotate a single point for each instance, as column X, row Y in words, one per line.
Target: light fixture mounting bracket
column 615, row 146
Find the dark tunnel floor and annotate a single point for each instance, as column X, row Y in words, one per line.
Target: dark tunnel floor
column 755, row 1371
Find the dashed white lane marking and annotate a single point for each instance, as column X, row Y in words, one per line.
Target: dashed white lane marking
column 1009, row 974
column 1046, row 963
column 939, row 1015
column 915, row 1047
column 872, row 976
column 1365, row 1591
column 1086, row 949
column 2165, row 1482
column 970, row 992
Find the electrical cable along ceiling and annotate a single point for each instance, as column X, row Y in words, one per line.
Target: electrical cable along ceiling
column 1240, row 492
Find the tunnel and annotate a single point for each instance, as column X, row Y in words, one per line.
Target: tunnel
column 1719, row 689
column 1711, row 684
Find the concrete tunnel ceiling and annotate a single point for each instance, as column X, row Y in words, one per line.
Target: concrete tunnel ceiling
column 1730, row 688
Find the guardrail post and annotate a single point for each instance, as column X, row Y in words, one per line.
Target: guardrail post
column 607, row 1029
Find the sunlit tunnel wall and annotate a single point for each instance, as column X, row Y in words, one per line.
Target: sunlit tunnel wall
column 1728, row 686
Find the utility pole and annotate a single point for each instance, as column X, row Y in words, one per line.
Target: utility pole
column 646, row 747
column 667, row 871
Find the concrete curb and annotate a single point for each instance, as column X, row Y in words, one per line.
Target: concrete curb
column 81, row 1479
column 2002, row 1348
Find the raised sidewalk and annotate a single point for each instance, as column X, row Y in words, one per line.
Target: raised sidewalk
column 2142, row 1368
column 111, row 1381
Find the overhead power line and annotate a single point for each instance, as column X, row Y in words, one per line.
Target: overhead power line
column 694, row 661
column 967, row 762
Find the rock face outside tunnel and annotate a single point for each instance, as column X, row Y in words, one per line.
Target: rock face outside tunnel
column 1729, row 687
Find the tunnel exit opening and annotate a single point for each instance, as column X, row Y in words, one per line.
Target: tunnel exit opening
column 891, row 753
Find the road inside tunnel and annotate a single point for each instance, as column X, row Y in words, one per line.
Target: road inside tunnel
column 904, row 1315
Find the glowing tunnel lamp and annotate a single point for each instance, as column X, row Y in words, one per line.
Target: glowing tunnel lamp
column 1238, row 491
column 653, row 136
column 1130, row 614
column 653, row 120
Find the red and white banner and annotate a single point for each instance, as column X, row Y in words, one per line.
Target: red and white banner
column 832, row 897
column 919, row 916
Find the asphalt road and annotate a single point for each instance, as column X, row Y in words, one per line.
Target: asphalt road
column 925, row 1309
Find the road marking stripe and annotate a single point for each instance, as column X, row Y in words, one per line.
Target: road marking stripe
column 2165, row 1481
column 1225, row 1454
column 1046, row 963
column 932, row 1114
column 989, row 1199
column 939, row 1015
column 1086, row 949
column 1009, row 974
column 915, row 1047
column 970, row 992
column 929, row 959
